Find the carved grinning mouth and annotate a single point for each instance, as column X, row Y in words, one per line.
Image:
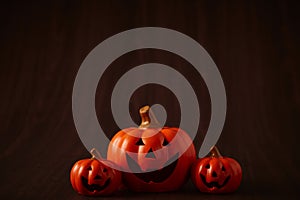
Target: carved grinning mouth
column 94, row 187
column 156, row 176
column 214, row 183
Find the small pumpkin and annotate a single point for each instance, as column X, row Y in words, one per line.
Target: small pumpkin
column 137, row 149
column 94, row 178
column 216, row 174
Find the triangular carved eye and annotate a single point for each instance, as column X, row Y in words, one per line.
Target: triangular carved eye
column 165, row 143
column 140, row 142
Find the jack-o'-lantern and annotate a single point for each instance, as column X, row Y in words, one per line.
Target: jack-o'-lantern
column 216, row 174
column 137, row 150
column 92, row 177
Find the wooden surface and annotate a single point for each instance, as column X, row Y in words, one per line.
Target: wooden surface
column 255, row 45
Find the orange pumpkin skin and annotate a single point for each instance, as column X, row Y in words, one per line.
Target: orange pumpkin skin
column 137, row 140
column 91, row 177
column 216, row 174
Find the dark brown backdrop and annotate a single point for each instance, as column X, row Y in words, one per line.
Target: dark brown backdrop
column 255, row 45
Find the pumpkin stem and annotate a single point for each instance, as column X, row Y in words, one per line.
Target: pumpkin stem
column 215, row 153
column 148, row 118
column 95, row 154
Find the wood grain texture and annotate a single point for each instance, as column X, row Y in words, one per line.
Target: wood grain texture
column 255, row 45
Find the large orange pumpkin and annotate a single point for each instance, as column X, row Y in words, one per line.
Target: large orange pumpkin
column 150, row 147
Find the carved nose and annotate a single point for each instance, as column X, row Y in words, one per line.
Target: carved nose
column 98, row 177
column 150, row 154
column 214, row 174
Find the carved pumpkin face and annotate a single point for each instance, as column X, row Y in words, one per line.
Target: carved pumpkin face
column 138, row 150
column 93, row 178
column 216, row 174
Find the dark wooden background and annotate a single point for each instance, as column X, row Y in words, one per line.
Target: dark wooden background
column 255, row 45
